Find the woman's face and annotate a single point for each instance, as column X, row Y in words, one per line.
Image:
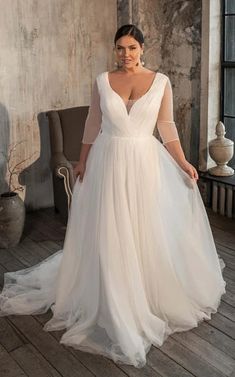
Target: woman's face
column 128, row 51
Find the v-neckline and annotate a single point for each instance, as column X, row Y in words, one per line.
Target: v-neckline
column 136, row 100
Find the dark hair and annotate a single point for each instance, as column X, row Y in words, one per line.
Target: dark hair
column 131, row 30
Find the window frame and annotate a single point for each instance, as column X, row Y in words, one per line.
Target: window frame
column 224, row 63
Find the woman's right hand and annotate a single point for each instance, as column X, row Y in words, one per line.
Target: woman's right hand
column 79, row 170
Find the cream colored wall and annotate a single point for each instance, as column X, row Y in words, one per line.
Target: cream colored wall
column 50, row 54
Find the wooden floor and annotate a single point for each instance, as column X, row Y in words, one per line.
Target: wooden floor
column 26, row 350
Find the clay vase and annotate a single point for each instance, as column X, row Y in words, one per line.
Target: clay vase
column 12, row 218
column 221, row 151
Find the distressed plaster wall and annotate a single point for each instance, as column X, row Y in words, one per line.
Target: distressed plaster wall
column 50, row 53
column 172, row 31
column 210, row 78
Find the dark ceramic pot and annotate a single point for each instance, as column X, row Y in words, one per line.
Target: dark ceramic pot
column 12, row 218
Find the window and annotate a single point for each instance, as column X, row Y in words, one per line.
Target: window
column 228, row 70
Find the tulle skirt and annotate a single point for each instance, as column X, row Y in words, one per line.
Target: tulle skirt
column 138, row 261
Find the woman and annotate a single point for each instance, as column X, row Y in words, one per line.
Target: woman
column 139, row 261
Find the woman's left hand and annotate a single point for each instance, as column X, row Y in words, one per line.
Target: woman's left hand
column 189, row 169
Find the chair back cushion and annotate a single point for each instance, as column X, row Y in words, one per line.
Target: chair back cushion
column 72, row 124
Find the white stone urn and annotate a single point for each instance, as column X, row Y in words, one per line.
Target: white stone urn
column 221, row 151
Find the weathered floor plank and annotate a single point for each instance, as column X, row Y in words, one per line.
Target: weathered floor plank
column 189, row 359
column 223, row 324
column 220, row 222
column 208, row 352
column 165, row 364
column 229, row 297
column 33, row 363
column 60, row 358
column 227, row 311
column 224, row 238
column 9, row 338
column 8, row 366
column 215, row 337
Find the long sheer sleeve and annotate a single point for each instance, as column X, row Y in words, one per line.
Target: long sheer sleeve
column 165, row 121
column 94, row 118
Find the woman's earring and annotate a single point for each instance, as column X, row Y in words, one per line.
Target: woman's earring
column 117, row 65
column 142, row 61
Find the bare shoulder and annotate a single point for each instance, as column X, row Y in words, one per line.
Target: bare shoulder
column 157, row 72
column 114, row 71
column 148, row 71
column 151, row 72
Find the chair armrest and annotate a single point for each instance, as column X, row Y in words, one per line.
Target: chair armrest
column 69, row 180
column 64, row 169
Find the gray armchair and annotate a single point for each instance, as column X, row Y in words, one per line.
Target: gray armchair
column 66, row 130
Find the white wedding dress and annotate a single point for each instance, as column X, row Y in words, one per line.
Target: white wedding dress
column 139, row 261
